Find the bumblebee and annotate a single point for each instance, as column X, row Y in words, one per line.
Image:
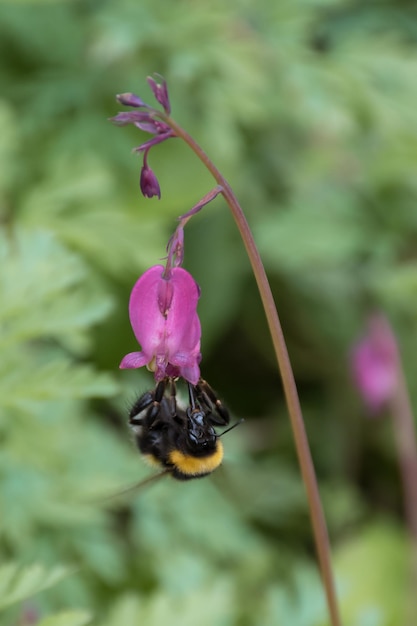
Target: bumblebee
column 183, row 442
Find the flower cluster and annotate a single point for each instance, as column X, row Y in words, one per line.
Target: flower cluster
column 163, row 302
column 151, row 121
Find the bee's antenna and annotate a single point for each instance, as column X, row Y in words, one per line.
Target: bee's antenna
column 231, row 427
column 143, row 483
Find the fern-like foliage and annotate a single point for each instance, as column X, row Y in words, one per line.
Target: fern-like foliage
column 309, row 109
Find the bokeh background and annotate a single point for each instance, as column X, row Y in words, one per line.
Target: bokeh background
column 310, row 110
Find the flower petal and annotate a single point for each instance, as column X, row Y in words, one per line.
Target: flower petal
column 133, row 360
column 147, row 322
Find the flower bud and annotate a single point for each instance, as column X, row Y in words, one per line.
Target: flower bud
column 160, row 91
column 148, row 182
column 130, row 100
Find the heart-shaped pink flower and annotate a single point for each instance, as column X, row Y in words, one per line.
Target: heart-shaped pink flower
column 163, row 315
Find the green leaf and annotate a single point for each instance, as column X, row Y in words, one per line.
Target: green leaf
column 8, row 147
column 67, row 618
column 301, row 605
column 80, row 203
column 18, row 583
column 372, row 575
column 44, row 290
column 311, row 237
column 177, row 609
column 396, row 287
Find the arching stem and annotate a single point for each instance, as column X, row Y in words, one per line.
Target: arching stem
column 291, row 395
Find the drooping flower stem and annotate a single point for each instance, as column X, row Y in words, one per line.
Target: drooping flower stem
column 405, row 433
column 301, row 442
column 406, row 441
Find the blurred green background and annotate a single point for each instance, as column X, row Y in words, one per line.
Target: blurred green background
column 309, row 109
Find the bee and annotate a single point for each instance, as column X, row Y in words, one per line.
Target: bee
column 183, row 442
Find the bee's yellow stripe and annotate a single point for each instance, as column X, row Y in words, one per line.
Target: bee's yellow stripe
column 196, row 466
column 152, row 460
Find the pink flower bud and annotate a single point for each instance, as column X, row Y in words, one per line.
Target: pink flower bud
column 163, row 314
column 131, row 100
column 160, row 91
column 149, row 184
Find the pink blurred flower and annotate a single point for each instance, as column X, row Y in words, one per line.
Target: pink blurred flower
column 375, row 364
column 163, row 315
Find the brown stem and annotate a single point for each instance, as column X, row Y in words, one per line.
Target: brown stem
column 405, row 435
column 301, row 442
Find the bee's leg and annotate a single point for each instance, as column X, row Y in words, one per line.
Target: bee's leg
column 209, row 399
column 195, row 409
column 172, row 398
column 148, row 405
column 158, row 395
column 136, row 413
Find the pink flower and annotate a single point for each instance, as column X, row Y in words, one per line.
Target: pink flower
column 163, row 314
column 375, row 364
